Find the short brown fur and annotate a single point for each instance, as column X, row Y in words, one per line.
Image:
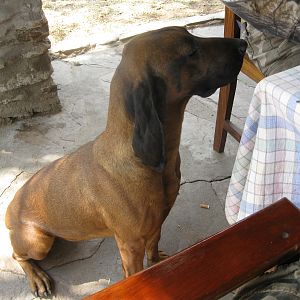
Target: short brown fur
column 111, row 186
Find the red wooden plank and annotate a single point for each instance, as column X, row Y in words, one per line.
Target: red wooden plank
column 217, row 265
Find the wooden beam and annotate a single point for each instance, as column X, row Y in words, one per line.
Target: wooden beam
column 249, row 69
column 233, row 130
column 219, row 264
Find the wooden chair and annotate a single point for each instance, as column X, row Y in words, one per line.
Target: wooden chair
column 217, row 265
column 226, row 96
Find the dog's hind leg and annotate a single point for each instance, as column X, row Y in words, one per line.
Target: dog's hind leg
column 132, row 255
column 29, row 243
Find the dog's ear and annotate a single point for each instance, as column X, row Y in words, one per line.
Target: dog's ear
column 145, row 105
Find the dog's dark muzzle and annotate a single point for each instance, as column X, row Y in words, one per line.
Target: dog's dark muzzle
column 224, row 59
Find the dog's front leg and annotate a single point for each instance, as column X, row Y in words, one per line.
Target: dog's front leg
column 153, row 254
column 132, row 254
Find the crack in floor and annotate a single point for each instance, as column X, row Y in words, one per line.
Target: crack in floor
column 12, row 272
column 78, row 64
column 216, row 195
column 212, row 187
column 78, row 259
column 61, row 265
column 10, row 184
column 198, row 117
column 206, row 180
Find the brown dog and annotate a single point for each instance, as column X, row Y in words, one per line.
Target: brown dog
column 125, row 182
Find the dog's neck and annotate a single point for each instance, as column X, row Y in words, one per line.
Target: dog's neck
column 172, row 129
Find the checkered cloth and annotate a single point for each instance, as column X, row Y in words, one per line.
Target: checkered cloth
column 267, row 165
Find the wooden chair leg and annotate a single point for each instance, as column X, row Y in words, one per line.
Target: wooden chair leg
column 225, row 104
column 226, row 96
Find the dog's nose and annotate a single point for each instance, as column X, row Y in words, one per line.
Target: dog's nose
column 243, row 47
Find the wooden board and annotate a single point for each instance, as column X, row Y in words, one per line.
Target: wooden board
column 219, row 264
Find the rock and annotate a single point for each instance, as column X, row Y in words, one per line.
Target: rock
column 26, row 86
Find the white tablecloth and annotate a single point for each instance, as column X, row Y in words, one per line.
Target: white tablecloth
column 267, row 165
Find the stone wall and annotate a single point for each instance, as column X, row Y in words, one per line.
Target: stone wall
column 26, row 86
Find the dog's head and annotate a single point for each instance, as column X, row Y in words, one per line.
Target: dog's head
column 166, row 67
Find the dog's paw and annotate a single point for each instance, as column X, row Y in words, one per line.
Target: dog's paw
column 161, row 256
column 40, row 283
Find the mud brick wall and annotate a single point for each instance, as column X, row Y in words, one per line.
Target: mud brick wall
column 26, row 86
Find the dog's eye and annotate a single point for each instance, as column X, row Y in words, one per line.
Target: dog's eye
column 193, row 52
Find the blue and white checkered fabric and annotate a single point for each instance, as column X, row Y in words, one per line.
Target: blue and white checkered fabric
column 267, row 165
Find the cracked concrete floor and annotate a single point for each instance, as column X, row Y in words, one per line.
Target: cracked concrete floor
column 82, row 268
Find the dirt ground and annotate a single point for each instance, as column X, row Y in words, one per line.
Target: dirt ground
column 67, row 17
